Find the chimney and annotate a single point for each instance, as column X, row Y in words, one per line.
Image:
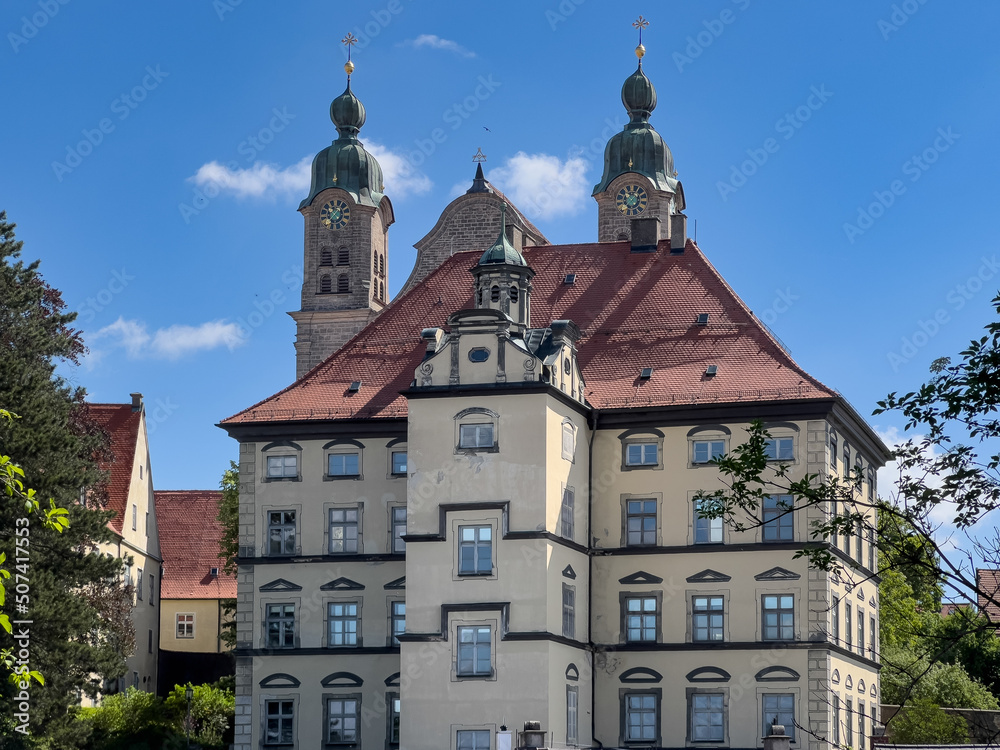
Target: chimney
column 532, row 738
column 136, row 401
column 678, row 233
column 645, row 234
column 777, row 739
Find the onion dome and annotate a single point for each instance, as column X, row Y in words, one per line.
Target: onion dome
column 638, row 148
column 345, row 163
column 502, row 252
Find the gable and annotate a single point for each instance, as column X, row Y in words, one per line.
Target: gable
column 399, row 583
column 342, row 584
column 709, row 576
column 279, row 584
column 777, row 574
column 641, row 577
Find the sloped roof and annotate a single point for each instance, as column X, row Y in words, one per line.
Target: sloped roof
column 636, row 310
column 122, row 426
column 189, row 543
column 988, row 583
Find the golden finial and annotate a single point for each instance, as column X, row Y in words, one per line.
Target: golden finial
column 640, row 23
column 349, row 41
column 630, row 163
column 480, row 156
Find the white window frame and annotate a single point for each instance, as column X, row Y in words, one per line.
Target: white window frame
column 281, row 466
column 715, row 527
column 463, row 649
column 281, row 718
column 710, row 452
column 345, row 525
column 184, row 629
column 397, row 529
column 476, row 543
column 345, row 618
column 283, row 525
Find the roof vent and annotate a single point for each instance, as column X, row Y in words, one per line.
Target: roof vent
column 354, row 387
column 647, row 373
column 214, row 572
column 570, row 279
column 711, row 370
column 702, row 319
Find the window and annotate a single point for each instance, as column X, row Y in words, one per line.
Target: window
column 135, row 680
column 780, row 449
column 398, row 530
column 706, row 530
column 872, row 710
column 568, row 611
column 325, row 284
column 152, row 597
column 326, row 257
column 641, row 454
column 861, row 724
column 344, row 528
column 474, row 648
column 705, row 451
column 342, row 721
column 833, row 519
column 393, row 719
column 641, row 721
column 871, row 638
column 281, row 532
column 861, row 632
column 398, row 617
column 343, row 257
column 848, row 624
column 871, row 484
column 513, row 294
column 494, row 294
column 147, row 519
column 836, row 719
column 858, row 535
column 185, row 625
column 640, row 522
column 778, row 617
column 135, row 511
column 568, row 440
column 849, row 729
column 833, row 451
column 381, row 265
column 566, row 517
column 475, row 436
column 342, row 623
column 641, row 619
column 343, row 464
column 475, row 550
column 707, row 618
column 140, row 471
column 278, row 723
column 343, row 284
column 572, row 714
column 375, row 264
column 473, row 739
column 280, row 626
column 399, row 462
column 871, row 550
column 778, row 518
column 150, row 641
column 708, row 717
column 138, row 585
column 779, row 708
column 282, row 467
column 835, row 620
column 847, row 460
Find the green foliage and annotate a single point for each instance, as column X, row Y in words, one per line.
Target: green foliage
column 125, row 714
column 212, row 712
column 229, row 544
column 924, row 722
column 968, row 638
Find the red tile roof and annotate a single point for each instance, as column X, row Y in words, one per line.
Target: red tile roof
column 189, row 544
column 636, row 310
column 122, row 426
column 988, row 584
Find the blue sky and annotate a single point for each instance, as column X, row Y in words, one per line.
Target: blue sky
column 839, row 160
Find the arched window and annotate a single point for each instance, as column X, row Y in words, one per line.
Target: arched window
column 381, row 291
column 325, row 257
column 325, row 284
column 495, row 294
column 343, row 257
column 343, row 285
column 381, row 265
column 375, row 263
column 513, row 294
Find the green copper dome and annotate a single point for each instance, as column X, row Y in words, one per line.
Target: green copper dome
column 638, row 148
column 345, row 163
column 502, row 252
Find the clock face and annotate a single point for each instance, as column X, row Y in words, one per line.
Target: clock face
column 632, row 200
column 335, row 214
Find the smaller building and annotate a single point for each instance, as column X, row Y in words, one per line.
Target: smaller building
column 988, row 588
column 194, row 589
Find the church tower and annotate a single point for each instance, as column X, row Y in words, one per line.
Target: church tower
column 639, row 180
column 347, row 219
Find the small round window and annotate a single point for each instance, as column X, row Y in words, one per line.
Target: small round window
column 566, row 366
column 479, row 354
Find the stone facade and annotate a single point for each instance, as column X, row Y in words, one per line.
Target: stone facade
column 614, row 226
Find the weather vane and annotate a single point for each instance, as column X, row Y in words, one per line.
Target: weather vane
column 480, row 156
column 349, row 41
column 640, row 23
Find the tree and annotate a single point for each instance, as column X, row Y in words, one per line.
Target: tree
column 923, row 722
column 949, row 463
column 229, row 544
column 58, row 446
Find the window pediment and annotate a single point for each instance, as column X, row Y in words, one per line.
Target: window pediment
column 708, row 674
column 342, row 584
column 342, row 679
column 279, row 584
column 709, row 576
column 279, row 680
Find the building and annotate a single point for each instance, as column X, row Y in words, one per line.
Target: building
column 988, row 593
column 130, row 496
column 477, row 511
column 194, row 591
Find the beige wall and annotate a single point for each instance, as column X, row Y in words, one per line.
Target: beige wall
column 207, row 615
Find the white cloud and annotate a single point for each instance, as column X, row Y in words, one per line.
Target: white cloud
column 257, row 181
column 401, row 177
column 172, row 342
column 435, row 42
column 543, row 186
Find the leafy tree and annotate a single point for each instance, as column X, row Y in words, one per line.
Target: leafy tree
column 213, row 710
column 58, row 446
column 229, row 544
column 924, row 722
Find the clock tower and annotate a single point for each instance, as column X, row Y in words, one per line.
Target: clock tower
column 347, row 219
column 639, row 180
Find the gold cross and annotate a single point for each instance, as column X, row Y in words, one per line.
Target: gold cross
column 640, row 23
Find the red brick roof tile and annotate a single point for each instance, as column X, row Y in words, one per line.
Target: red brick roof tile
column 189, row 544
column 122, row 425
column 988, row 584
column 636, row 310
